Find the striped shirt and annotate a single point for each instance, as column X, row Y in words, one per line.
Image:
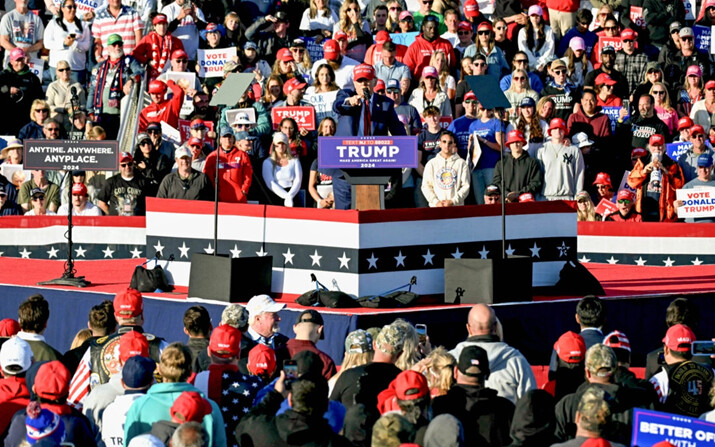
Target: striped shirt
column 105, row 24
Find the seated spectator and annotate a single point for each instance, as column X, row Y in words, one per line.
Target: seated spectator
column 123, row 194
column 39, row 113
column 60, row 95
column 521, row 172
column 8, row 207
column 282, row 172
column 655, row 182
column 50, row 192
column 186, row 182
column 626, row 209
column 235, row 172
column 80, row 204
column 445, row 180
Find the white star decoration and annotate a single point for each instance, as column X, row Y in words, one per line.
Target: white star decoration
column 79, row 252
column 400, row 259
column 372, row 260
column 25, row 254
column 288, row 257
column 428, row 257
column 612, row 260
column 315, row 258
column 640, row 261
column 509, row 251
column 52, row 253
column 261, row 253
column 158, row 247
column 344, row 261
column 696, row 261
column 108, row 252
column 136, row 253
column 668, row 262
column 457, row 254
column 535, row 251
column 563, row 249
column 184, row 250
column 483, row 253
column 209, row 250
column 584, row 259
column 235, row 253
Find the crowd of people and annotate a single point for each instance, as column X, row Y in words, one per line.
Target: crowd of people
column 595, row 100
column 249, row 382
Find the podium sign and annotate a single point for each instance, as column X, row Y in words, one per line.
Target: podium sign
column 381, row 152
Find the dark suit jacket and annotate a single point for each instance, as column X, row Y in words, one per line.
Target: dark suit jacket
column 382, row 114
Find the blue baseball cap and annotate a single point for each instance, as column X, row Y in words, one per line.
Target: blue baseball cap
column 705, row 160
column 393, row 83
column 242, row 135
column 138, row 372
column 528, row 102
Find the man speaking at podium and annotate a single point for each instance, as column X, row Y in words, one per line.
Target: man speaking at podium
column 361, row 112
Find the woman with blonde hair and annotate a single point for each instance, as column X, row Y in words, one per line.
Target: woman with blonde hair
column 39, row 112
column 519, row 89
column 412, row 350
column 663, row 108
column 324, row 81
column 285, row 69
column 585, row 210
column 438, row 367
column 358, row 351
column 358, row 30
column 692, row 91
column 577, row 62
column 318, row 20
column 282, row 172
column 545, row 108
column 429, row 93
column 393, row 16
column 446, row 80
column 485, row 44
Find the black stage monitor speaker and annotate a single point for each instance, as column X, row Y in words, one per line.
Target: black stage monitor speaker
column 234, row 280
column 487, row 281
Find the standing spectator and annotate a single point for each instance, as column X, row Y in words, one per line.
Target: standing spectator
column 687, row 56
column 655, row 183
column 59, row 95
column 110, row 81
column 187, row 182
column 162, row 109
column 151, row 165
column 460, row 126
column 530, row 123
column 419, row 53
column 689, row 161
column 21, row 28
column 21, row 88
column 518, row 91
column 16, row 359
column 68, row 41
column 309, row 327
column 156, row 48
column 446, row 176
column 483, row 413
column 562, row 91
column 659, row 15
column 162, row 145
column 116, row 19
column 562, row 164
column 487, row 130
column 584, row 17
column 429, row 93
column 425, row 9
column 631, row 61
column 562, row 16
column 8, row 207
column 703, row 110
column 663, row 107
column 521, row 62
column 509, row 372
column 406, row 113
column 123, row 194
column 282, row 173
column 356, row 30
column 185, row 21
column 39, row 113
column 577, row 61
column 318, row 20
column 38, row 204
column 521, row 172
column 704, row 179
column 388, row 67
column 642, row 125
column 270, row 33
column 235, row 180
column 485, row 44
column 342, row 65
column 465, row 37
column 537, row 40
column 175, row 369
column 691, row 92
column 608, row 63
column 604, row 89
column 33, row 315
column 591, row 120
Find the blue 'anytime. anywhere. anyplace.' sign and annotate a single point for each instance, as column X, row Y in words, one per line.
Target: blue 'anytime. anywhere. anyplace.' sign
column 367, row 152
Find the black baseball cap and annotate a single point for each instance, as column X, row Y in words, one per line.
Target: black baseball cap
column 311, row 316
column 474, row 362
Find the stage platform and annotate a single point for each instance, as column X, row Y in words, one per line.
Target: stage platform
column 637, row 299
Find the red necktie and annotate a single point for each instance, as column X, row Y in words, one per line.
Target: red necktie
column 366, row 119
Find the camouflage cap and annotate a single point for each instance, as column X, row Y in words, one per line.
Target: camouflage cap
column 235, row 315
column 601, row 360
column 392, row 426
column 358, row 342
column 593, row 406
column 391, row 339
column 374, row 332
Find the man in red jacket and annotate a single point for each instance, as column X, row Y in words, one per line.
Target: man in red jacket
column 15, row 358
column 162, row 109
column 234, row 166
column 419, row 53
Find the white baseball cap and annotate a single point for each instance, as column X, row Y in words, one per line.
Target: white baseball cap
column 15, row 351
column 262, row 303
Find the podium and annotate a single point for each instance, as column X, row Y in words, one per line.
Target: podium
column 367, row 188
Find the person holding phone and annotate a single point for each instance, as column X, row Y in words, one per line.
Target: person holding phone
column 68, row 39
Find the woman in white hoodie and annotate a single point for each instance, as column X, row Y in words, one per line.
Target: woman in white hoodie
column 445, row 180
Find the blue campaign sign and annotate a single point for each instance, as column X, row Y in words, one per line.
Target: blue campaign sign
column 675, row 150
column 405, row 39
column 367, row 152
column 702, row 38
column 652, row 427
column 612, row 114
column 314, row 50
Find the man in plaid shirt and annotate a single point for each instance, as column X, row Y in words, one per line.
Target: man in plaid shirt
column 631, row 61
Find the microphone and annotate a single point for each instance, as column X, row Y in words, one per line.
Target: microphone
column 73, row 90
column 366, row 94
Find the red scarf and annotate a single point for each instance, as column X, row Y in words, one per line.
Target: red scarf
column 161, row 48
column 216, row 380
